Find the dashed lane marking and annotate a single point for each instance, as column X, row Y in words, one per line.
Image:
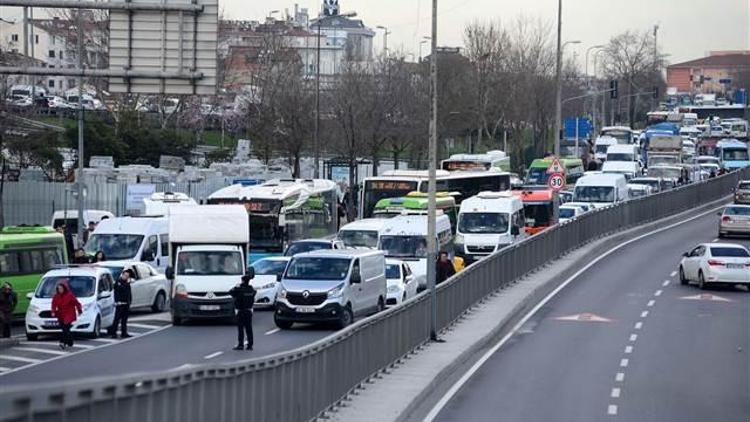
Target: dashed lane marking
column 658, row 293
column 666, row 283
column 638, row 325
column 612, row 409
column 633, row 337
column 40, row 350
column 213, row 355
column 673, row 273
column 20, row 359
column 651, row 303
column 628, row 350
column 274, row 331
column 644, row 314
column 624, row 363
column 615, row 393
column 620, row 377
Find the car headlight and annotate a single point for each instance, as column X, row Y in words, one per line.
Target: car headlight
column 336, row 291
column 268, row 286
column 282, row 294
column 393, row 289
column 459, row 238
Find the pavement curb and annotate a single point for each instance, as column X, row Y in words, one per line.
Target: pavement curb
column 421, row 403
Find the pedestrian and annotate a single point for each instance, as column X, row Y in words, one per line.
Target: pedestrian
column 99, row 257
column 79, row 257
column 244, row 298
column 123, row 299
column 8, row 302
column 87, row 233
column 444, row 268
column 66, row 308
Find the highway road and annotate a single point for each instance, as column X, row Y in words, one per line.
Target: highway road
column 623, row 342
column 168, row 348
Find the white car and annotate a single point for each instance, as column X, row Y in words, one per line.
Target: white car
column 570, row 212
column 585, row 206
column 93, row 286
column 149, row 288
column 402, row 283
column 716, row 263
column 266, row 280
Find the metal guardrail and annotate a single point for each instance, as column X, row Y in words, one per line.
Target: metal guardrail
column 300, row 384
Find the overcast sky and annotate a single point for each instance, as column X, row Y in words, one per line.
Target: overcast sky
column 688, row 28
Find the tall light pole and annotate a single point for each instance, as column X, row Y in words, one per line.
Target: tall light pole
column 558, row 82
column 432, row 186
column 386, row 32
column 655, row 101
column 588, row 80
column 587, row 56
column 81, row 186
column 596, row 98
column 421, row 43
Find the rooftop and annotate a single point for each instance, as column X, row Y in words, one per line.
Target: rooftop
column 733, row 59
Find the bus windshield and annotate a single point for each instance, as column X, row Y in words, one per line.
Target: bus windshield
column 734, row 155
column 537, row 176
column 375, row 190
column 483, row 223
column 404, row 246
column 116, row 247
column 356, row 238
column 594, row 194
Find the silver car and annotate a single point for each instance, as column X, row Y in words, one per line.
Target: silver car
column 742, row 192
column 735, row 219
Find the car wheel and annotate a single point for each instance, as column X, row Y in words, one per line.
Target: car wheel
column 282, row 324
column 346, row 317
column 97, row 328
column 683, row 280
column 32, row 337
column 160, row 302
column 702, row 281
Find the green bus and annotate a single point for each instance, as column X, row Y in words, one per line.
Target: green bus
column 537, row 172
column 416, row 203
column 26, row 253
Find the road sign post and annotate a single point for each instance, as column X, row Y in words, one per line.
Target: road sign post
column 556, row 182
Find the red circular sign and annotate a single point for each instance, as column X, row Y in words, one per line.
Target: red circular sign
column 556, row 182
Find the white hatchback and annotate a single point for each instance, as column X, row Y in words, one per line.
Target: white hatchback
column 716, row 263
column 266, row 280
column 402, row 284
column 149, row 288
column 91, row 285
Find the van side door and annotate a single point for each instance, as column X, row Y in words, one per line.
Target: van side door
column 163, row 260
column 357, row 291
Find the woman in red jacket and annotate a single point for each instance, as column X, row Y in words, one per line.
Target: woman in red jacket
column 66, row 308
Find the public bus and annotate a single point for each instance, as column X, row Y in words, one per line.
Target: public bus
column 732, row 154
column 282, row 211
column 538, row 209
column 470, row 162
column 26, row 253
column 623, row 134
column 398, row 183
column 415, row 203
column 537, row 173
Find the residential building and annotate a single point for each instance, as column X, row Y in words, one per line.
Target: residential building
column 710, row 74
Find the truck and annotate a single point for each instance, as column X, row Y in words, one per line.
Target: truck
column 664, row 150
column 208, row 248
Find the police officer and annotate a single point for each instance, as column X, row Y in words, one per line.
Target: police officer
column 244, row 298
column 123, row 299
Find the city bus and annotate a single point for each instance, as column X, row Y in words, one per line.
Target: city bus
column 283, row 211
column 470, row 162
column 398, row 183
column 415, row 203
column 732, row 154
column 539, row 209
column 623, row 134
column 26, row 253
column 537, row 173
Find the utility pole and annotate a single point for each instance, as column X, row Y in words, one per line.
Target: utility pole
column 558, row 80
column 316, row 137
column 655, row 101
column 431, row 203
column 81, row 187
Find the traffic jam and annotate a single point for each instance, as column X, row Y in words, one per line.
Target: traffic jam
column 181, row 262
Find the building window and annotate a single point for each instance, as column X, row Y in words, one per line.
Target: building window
column 52, row 54
column 36, row 39
column 14, row 37
column 51, row 83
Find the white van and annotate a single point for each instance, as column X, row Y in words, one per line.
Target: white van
column 629, row 169
column 331, row 286
column 405, row 238
column 601, row 190
column 623, row 153
column 601, row 145
column 127, row 239
column 362, row 233
column 487, row 223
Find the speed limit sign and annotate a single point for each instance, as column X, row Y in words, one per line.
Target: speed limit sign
column 556, row 182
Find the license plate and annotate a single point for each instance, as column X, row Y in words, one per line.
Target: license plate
column 735, row 266
column 305, row 310
column 209, row 307
column 52, row 324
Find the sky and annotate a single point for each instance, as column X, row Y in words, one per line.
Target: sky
column 688, row 29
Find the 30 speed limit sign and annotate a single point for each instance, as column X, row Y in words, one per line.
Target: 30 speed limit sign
column 556, row 182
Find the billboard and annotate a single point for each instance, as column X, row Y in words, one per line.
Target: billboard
column 170, row 42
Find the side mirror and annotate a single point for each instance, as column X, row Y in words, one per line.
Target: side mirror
column 147, row 256
column 30, row 295
column 515, row 231
column 250, row 272
column 169, row 273
column 356, row 278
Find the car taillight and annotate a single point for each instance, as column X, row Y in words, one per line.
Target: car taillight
column 726, row 218
column 713, row 262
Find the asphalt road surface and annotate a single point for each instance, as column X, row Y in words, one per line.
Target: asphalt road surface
column 646, row 349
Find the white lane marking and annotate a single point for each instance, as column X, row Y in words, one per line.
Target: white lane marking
column 628, row 350
column 39, row 350
column 612, row 409
column 86, row 348
column 274, row 331
column 147, row 326
column 105, row 340
column 657, row 293
column 650, row 303
column 620, row 377
column 644, row 314
column 615, row 393
column 673, row 273
column 624, row 363
column 20, row 359
column 4, row 368
column 213, row 355
column 487, row 355
column 666, row 283
column 638, row 325
column 633, row 337
column 715, row 240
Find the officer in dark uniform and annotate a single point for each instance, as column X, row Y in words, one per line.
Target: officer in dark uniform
column 244, row 298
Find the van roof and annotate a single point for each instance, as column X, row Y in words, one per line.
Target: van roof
column 412, row 225
column 340, row 253
column 599, row 179
column 629, row 148
column 492, row 202
column 130, row 225
column 365, row 224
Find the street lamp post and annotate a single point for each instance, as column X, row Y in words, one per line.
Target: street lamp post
column 432, row 185
column 558, row 102
column 386, row 32
column 587, row 56
column 421, row 43
column 588, row 79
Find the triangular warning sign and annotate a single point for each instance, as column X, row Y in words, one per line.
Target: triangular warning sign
column 707, row 297
column 584, row 317
column 555, row 167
